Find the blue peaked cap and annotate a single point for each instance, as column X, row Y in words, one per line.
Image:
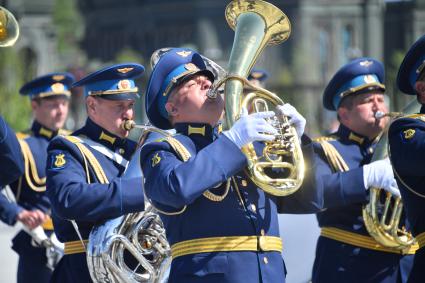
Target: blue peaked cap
column 411, row 67
column 358, row 76
column 258, row 74
column 172, row 68
column 115, row 82
column 53, row 84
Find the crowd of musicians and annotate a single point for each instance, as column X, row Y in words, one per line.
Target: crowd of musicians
column 221, row 226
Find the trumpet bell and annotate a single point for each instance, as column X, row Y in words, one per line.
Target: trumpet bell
column 9, row 28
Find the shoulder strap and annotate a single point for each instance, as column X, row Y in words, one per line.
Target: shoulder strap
column 334, row 157
column 31, row 175
column 89, row 156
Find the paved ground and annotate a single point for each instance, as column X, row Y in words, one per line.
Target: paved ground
column 299, row 233
column 8, row 258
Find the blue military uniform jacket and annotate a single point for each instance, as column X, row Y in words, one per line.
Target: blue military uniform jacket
column 29, row 189
column 227, row 234
column 10, row 155
column 407, row 147
column 87, row 199
column 345, row 250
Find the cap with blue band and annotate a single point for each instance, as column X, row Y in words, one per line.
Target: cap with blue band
column 358, row 76
column 174, row 66
column 53, row 84
column 115, row 82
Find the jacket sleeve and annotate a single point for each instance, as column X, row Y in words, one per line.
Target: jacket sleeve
column 172, row 182
column 309, row 197
column 72, row 197
column 8, row 210
column 11, row 158
column 339, row 188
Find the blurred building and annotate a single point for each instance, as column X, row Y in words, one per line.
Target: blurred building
column 325, row 35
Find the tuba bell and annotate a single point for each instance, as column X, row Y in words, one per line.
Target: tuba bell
column 9, row 28
column 257, row 24
column 383, row 213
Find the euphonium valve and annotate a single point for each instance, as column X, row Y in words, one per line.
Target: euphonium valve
column 9, row 28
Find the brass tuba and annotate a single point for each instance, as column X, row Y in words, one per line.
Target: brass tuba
column 257, row 24
column 383, row 212
column 9, row 28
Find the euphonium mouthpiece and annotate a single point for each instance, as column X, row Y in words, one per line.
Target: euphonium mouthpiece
column 127, row 125
column 212, row 93
column 380, row 114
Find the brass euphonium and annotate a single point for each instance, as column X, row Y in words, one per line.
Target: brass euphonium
column 9, row 28
column 383, row 213
column 257, row 24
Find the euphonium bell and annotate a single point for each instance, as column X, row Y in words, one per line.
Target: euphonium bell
column 383, row 213
column 9, row 28
column 257, row 24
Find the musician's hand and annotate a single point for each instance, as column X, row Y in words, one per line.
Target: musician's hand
column 252, row 127
column 31, row 219
column 379, row 174
column 295, row 118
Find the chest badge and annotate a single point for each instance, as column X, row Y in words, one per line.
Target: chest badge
column 155, row 160
column 60, row 160
column 408, row 134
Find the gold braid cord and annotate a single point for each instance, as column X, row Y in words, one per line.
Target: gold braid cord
column 184, row 154
column 31, row 175
column 334, row 158
column 89, row 156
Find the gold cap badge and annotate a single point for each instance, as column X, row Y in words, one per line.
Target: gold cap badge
column 366, row 63
column 124, row 85
column 369, row 79
column 124, row 70
column 184, row 53
column 191, row 67
column 58, row 88
column 58, row 78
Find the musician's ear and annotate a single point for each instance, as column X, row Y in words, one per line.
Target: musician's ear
column 171, row 108
column 343, row 115
column 420, row 87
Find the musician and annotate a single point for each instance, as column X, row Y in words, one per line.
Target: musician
column 49, row 96
column 258, row 77
column 406, row 146
column 10, row 155
column 85, row 181
column 345, row 251
column 222, row 227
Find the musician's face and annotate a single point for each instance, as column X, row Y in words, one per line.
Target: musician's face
column 360, row 115
column 110, row 114
column 420, row 91
column 189, row 102
column 51, row 112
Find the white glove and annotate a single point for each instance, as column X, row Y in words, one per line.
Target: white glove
column 295, row 118
column 251, row 128
column 379, row 174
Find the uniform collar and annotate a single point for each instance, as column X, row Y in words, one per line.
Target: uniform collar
column 102, row 136
column 348, row 135
column 198, row 130
column 422, row 109
column 41, row 131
